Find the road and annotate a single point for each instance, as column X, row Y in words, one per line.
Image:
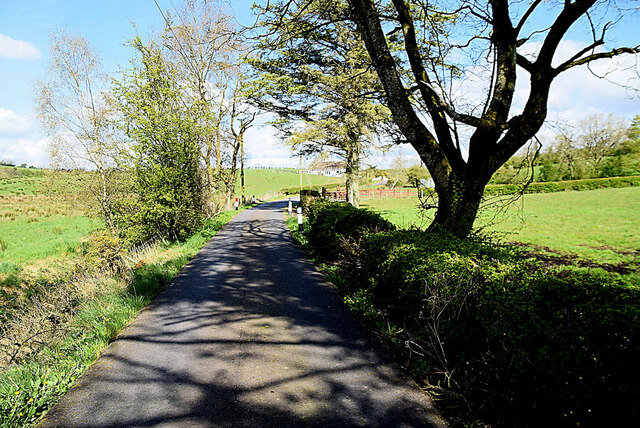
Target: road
column 248, row 334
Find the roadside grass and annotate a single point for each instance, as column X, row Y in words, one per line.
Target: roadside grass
column 66, row 326
column 600, row 225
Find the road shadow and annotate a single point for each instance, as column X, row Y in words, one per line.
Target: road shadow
column 247, row 334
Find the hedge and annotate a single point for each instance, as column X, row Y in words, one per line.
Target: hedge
column 332, row 223
column 560, row 186
column 525, row 344
column 512, row 342
column 316, row 187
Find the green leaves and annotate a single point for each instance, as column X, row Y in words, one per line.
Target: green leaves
column 167, row 191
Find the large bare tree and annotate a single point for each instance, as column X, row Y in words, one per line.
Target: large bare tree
column 496, row 43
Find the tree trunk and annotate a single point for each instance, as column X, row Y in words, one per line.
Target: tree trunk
column 231, row 180
column 207, row 162
column 352, row 171
column 458, row 203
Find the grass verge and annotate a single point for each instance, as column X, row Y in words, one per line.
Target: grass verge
column 50, row 343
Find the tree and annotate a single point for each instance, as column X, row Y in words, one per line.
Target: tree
column 205, row 45
column 599, row 137
column 319, row 81
column 74, row 109
column 397, row 173
column 497, row 42
column 416, row 175
column 563, row 160
column 167, row 193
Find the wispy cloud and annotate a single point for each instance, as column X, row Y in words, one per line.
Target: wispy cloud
column 19, row 150
column 13, row 124
column 18, row 49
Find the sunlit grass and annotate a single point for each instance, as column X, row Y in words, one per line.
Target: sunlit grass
column 260, row 181
column 601, row 225
column 38, row 227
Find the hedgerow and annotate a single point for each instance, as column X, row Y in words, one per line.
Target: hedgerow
column 501, row 337
column 332, row 223
column 561, row 186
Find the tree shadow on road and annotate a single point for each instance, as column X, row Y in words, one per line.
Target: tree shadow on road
column 248, row 334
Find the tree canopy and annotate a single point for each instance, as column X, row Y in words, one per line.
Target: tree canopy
column 319, row 82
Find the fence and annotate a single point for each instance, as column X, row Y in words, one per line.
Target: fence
column 340, row 193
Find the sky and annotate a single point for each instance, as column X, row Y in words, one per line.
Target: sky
column 25, row 26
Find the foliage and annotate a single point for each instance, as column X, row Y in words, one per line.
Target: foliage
column 502, row 339
column 600, row 147
column 561, row 186
column 167, row 192
column 314, row 187
column 307, row 197
column 332, row 223
column 318, row 80
column 542, row 345
column 416, row 174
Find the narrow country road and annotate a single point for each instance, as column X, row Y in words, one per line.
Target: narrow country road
column 247, row 335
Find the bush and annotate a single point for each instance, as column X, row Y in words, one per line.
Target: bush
column 560, row 186
column 317, row 187
column 332, row 223
column 307, row 197
column 523, row 344
column 104, row 253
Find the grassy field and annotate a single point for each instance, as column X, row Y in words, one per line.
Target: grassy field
column 21, row 181
column 38, row 227
column 260, row 181
column 601, row 225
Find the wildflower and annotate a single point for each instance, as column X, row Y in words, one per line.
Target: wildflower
column 17, row 392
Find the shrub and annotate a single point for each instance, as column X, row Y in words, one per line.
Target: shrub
column 332, row 223
column 307, row 197
column 104, row 253
column 317, row 187
column 522, row 343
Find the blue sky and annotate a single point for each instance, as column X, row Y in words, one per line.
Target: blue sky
column 25, row 26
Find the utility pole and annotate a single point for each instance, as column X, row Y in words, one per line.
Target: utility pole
column 300, row 173
column 241, row 137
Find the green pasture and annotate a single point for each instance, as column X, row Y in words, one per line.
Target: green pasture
column 34, row 240
column 260, row 181
column 601, row 225
column 21, row 181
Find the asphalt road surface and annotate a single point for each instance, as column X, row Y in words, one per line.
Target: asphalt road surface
column 247, row 335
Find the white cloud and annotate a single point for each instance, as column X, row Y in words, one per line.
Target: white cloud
column 11, row 123
column 17, row 49
column 264, row 148
column 22, row 150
